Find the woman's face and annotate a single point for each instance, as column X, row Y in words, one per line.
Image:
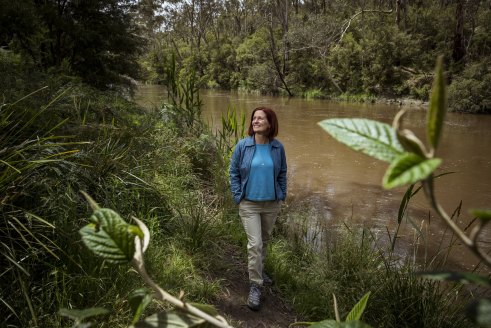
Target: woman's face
column 260, row 123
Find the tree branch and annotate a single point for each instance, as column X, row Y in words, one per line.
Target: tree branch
column 161, row 294
column 348, row 23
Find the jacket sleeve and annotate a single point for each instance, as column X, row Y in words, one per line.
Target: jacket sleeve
column 234, row 173
column 282, row 175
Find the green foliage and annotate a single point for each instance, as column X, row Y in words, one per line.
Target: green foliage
column 109, row 236
column 96, row 40
column 80, row 315
column 112, row 246
column 470, row 91
column 348, row 263
column 336, row 47
column 383, row 68
column 171, row 319
column 67, row 138
column 461, row 277
column 418, row 165
column 408, row 169
column 335, row 324
column 253, row 57
column 139, row 299
column 346, row 63
column 233, row 129
column 314, row 94
column 438, row 107
column 370, row 137
column 184, row 106
column 357, row 311
column 222, row 65
column 352, row 319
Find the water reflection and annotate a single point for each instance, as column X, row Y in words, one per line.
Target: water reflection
column 346, row 186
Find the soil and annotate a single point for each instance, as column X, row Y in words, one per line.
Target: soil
column 275, row 312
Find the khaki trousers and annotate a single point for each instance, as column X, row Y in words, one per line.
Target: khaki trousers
column 258, row 219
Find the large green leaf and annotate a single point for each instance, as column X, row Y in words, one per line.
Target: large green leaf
column 372, row 138
column 357, row 310
column 109, row 236
column 139, row 299
column 173, row 319
column 408, row 169
column 438, row 105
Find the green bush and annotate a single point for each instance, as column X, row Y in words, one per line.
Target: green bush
column 314, row 94
column 470, row 92
column 71, row 137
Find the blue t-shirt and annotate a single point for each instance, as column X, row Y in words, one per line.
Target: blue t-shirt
column 260, row 185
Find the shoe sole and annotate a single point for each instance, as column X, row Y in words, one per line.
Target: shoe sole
column 253, row 308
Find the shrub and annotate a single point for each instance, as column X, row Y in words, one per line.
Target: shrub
column 470, row 92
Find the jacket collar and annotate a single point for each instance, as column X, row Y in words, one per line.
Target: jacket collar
column 250, row 142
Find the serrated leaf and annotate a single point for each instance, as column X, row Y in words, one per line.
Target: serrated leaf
column 139, row 300
column 82, row 314
column 408, row 169
column 437, row 106
column 462, row 277
column 480, row 312
column 372, row 138
column 358, row 309
column 173, row 319
column 111, row 237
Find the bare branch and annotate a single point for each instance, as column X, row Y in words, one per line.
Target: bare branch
column 348, row 23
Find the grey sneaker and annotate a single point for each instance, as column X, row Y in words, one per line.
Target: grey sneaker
column 254, row 300
column 267, row 280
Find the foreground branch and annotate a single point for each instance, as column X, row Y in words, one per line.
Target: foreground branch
column 164, row 296
column 470, row 242
column 161, row 294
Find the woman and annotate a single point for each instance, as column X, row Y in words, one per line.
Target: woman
column 258, row 184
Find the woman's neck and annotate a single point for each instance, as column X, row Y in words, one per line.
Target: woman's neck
column 261, row 139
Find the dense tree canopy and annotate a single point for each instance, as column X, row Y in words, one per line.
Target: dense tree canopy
column 97, row 40
column 316, row 48
column 323, row 48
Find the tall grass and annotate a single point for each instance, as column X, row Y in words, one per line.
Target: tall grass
column 68, row 138
column 348, row 263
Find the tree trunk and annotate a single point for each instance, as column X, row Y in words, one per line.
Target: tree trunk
column 459, row 50
column 398, row 13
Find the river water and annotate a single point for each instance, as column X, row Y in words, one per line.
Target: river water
column 345, row 186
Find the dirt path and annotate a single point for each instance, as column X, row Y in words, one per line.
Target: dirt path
column 274, row 312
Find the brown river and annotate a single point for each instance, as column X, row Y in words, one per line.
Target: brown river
column 345, row 186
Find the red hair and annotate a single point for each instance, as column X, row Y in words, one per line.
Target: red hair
column 272, row 120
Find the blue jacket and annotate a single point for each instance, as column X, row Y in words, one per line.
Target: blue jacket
column 240, row 167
